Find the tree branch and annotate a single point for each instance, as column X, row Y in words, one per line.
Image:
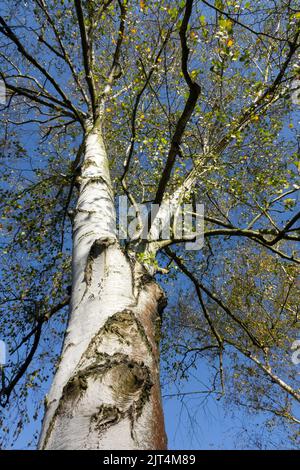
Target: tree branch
column 36, row 332
column 201, row 286
column 7, row 31
column 87, row 55
column 188, row 109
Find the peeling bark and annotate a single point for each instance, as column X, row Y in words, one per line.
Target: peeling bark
column 106, row 390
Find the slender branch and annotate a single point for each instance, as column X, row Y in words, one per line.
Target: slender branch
column 87, row 55
column 7, row 31
column 282, row 233
column 194, row 92
column 266, row 369
column 121, row 32
column 231, row 17
column 184, row 394
column 130, row 150
column 36, row 332
column 265, row 100
column 200, row 285
column 43, row 319
column 65, row 55
column 19, row 374
column 115, row 70
column 35, row 96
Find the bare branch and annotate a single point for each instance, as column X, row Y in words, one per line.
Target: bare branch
column 36, row 332
column 7, row 31
column 65, row 55
column 194, row 92
column 201, row 286
column 86, row 54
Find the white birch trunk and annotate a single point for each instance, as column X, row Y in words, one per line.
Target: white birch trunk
column 106, row 392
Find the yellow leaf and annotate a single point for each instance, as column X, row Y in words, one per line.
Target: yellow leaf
column 226, row 24
column 230, row 42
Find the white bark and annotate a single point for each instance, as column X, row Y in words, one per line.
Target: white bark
column 105, row 393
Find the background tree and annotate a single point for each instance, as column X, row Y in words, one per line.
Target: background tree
column 164, row 102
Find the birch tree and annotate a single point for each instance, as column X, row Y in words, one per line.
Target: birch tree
column 165, row 103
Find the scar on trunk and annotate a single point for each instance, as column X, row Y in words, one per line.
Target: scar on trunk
column 130, row 383
column 131, row 387
column 97, row 248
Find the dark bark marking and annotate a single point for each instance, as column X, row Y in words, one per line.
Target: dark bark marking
column 96, row 250
column 118, row 325
column 132, row 390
